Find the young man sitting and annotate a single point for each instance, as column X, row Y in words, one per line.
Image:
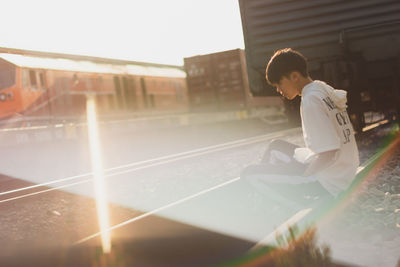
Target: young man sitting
column 328, row 163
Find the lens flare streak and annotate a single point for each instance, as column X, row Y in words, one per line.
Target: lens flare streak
column 98, row 175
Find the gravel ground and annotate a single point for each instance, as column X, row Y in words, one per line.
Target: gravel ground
column 365, row 230
column 59, row 218
column 56, row 218
column 369, row 224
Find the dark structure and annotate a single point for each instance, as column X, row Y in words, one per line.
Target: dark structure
column 352, row 45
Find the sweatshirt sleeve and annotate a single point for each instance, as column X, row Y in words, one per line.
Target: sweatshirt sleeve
column 319, row 132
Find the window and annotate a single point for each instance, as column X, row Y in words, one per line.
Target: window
column 196, row 71
column 180, row 94
column 234, row 65
column 75, row 79
column 41, row 77
column 25, row 79
column 118, row 90
column 32, row 79
column 152, row 102
column 89, row 85
column 235, row 75
column 222, row 66
column 7, row 75
column 98, row 83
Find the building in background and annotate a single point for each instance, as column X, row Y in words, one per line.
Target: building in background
column 218, row 82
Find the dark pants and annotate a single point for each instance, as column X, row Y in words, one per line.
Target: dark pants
column 284, row 165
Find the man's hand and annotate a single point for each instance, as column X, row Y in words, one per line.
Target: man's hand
column 322, row 161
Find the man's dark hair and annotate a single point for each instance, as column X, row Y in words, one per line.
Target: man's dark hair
column 283, row 62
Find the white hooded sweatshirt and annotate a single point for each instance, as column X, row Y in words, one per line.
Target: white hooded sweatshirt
column 326, row 126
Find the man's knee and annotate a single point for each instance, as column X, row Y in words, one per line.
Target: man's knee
column 281, row 145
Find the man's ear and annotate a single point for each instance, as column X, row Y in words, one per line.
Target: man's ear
column 294, row 76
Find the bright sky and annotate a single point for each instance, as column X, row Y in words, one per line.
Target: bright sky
column 162, row 31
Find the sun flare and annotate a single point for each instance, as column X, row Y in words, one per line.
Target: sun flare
column 97, row 167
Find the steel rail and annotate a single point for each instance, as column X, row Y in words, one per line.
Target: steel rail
column 296, row 218
column 148, row 163
column 144, row 215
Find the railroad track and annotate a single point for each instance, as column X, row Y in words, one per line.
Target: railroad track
column 57, row 184
column 135, row 166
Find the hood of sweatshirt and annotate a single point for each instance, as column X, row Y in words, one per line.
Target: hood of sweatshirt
column 339, row 97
